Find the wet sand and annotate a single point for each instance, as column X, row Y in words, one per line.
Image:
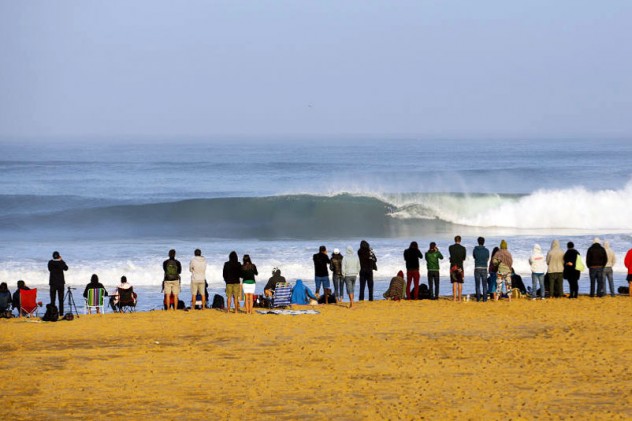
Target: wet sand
column 382, row 360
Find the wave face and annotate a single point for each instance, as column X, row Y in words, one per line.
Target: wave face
column 334, row 216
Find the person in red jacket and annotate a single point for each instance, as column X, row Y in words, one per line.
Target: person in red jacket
column 628, row 264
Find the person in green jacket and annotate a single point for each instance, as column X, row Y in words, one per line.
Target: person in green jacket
column 432, row 264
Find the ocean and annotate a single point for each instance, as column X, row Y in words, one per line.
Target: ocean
column 116, row 207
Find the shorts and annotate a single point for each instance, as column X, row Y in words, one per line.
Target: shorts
column 322, row 280
column 233, row 290
column 249, row 288
column 172, row 287
column 197, row 288
column 350, row 284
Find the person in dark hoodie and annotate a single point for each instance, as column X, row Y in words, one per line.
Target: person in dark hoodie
column 232, row 274
column 94, row 284
column 412, row 255
column 336, row 274
column 56, row 280
column 368, row 263
column 596, row 259
column 571, row 274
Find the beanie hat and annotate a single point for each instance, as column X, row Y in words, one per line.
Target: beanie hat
column 503, row 245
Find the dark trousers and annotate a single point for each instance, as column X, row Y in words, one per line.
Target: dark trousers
column 366, row 278
column 573, row 285
column 556, row 285
column 596, row 274
column 433, row 279
column 59, row 290
column 412, row 277
column 480, row 277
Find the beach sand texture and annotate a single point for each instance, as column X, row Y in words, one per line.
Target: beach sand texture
column 381, row 360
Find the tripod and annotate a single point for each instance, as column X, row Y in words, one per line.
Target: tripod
column 71, row 301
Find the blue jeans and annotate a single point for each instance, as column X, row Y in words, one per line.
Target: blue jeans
column 596, row 274
column 535, row 278
column 339, row 282
column 324, row 280
column 607, row 273
column 433, row 284
column 491, row 282
column 480, row 277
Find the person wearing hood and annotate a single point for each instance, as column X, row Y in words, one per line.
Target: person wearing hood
column 336, row 274
column 504, row 261
column 301, row 294
column 555, row 269
column 56, row 280
column 571, row 274
column 596, row 259
column 350, row 270
column 395, row 289
column 412, row 255
column 368, row 263
column 232, row 274
column 276, row 278
column 607, row 271
column 538, row 268
column 197, row 267
column 94, row 284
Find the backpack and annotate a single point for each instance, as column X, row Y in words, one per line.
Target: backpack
column 218, row 301
column 171, row 271
column 424, row 292
column 52, row 314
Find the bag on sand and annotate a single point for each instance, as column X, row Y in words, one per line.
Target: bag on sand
column 52, row 314
column 218, row 301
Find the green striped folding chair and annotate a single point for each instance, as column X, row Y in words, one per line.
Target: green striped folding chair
column 96, row 300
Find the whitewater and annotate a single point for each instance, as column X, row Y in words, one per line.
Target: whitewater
column 115, row 208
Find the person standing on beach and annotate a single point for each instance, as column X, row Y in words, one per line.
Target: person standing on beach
column 56, row 279
column 607, row 271
column 232, row 276
column 368, row 263
column 336, row 274
column 171, row 281
column 555, row 269
column 627, row 261
column 537, row 261
column 571, row 274
column 458, row 255
column 493, row 274
column 350, row 270
column 481, row 259
column 433, row 255
column 321, row 271
column 412, row 256
column 504, row 261
column 596, row 259
column 248, row 273
column 197, row 267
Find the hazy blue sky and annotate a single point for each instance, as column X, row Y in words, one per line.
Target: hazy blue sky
column 447, row 68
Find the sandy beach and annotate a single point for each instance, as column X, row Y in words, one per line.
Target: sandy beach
column 381, row 360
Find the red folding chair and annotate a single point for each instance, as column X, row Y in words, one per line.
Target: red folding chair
column 28, row 302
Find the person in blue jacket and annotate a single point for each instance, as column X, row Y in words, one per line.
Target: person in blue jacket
column 301, row 294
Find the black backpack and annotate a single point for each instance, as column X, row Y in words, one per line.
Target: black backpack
column 52, row 314
column 171, row 270
column 218, row 301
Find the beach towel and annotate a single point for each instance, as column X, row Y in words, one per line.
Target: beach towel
column 288, row 312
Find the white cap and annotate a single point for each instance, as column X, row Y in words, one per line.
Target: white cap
column 336, row 251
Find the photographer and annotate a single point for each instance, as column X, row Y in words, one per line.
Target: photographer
column 57, row 267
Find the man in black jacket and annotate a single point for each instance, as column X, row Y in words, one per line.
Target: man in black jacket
column 321, row 271
column 56, row 280
column 596, row 259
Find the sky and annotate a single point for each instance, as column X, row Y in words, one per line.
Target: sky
column 262, row 68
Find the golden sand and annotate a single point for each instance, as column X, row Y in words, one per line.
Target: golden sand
column 382, row 360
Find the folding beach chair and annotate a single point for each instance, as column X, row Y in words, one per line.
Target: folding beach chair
column 28, row 302
column 282, row 295
column 127, row 300
column 96, row 300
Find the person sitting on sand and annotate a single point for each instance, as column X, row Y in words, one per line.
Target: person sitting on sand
column 327, row 297
column 94, row 284
column 301, row 294
column 5, row 300
column 276, row 278
column 397, row 289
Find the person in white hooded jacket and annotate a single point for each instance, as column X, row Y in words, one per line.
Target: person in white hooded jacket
column 538, row 268
column 350, row 270
column 607, row 271
column 197, row 266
